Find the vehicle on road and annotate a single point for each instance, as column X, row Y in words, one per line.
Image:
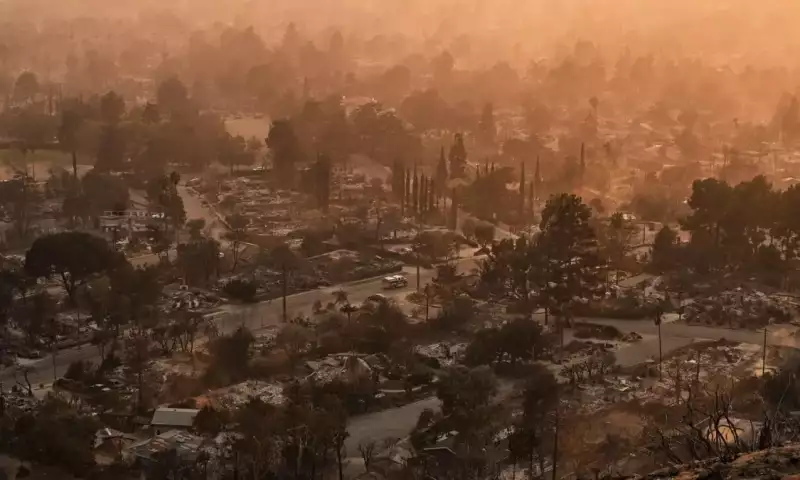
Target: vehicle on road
column 394, row 281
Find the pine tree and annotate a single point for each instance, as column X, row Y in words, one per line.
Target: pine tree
column 458, row 157
column 537, row 179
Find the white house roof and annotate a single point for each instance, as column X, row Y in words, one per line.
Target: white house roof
column 174, row 417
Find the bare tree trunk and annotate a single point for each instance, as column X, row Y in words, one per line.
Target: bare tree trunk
column 339, row 462
column 54, row 353
column 75, row 167
column 285, row 290
column 555, row 439
column 660, row 375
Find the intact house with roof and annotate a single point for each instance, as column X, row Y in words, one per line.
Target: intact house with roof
column 165, row 419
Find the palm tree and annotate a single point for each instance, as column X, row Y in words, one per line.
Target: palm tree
column 348, row 310
column 340, row 296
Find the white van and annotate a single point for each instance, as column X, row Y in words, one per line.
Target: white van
column 394, row 281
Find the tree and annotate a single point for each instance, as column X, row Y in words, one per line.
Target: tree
column 710, row 202
column 34, row 316
column 138, row 358
column 173, row 97
column 569, row 247
column 135, row 293
column 196, row 227
column 467, row 408
column 26, row 87
column 258, row 439
column 322, row 182
column 56, row 434
column 535, row 427
column 199, row 261
column 458, row 158
column 112, row 108
column 162, row 193
column 286, row 150
column 20, row 197
column 518, row 340
column 426, row 110
column 236, row 235
column 151, row 114
column 111, row 149
column 210, row 421
column 242, row 290
column 74, row 257
column 487, row 131
column 665, row 249
column 230, row 362
column 441, row 176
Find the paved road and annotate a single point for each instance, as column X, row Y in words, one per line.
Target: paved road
column 254, row 316
column 269, row 313
column 193, row 204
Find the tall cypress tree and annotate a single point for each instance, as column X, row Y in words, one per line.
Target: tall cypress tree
column 398, row 176
column 458, row 157
column 441, row 175
column 454, row 209
column 415, row 192
column 531, row 200
column 522, row 191
column 431, row 199
column 423, row 195
column 407, row 189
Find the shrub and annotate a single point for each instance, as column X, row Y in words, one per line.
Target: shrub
column 79, row 371
column 242, row 290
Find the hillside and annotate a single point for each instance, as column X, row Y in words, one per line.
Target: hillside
column 777, row 463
